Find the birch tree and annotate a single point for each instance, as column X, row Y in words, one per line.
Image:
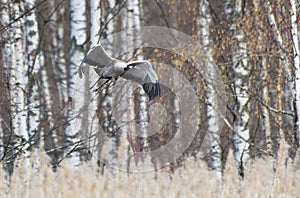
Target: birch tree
column 7, row 150
column 31, row 52
column 296, row 62
column 84, row 127
column 8, row 107
column 241, row 68
column 74, row 39
column 18, row 78
column 102, row 25
column 214, row 127
column 137, row 98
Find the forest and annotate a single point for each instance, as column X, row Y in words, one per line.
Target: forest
column 227, row 121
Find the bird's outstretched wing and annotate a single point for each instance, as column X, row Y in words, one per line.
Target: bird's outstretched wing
column 96, row 56
column 142, row 72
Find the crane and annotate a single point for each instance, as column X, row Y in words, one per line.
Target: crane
column 110, row 68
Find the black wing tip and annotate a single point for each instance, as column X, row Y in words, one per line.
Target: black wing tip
column 152, row 90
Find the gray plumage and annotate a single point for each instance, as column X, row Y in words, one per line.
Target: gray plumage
column 107, row 67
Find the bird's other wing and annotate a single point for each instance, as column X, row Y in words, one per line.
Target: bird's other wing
column 142, row 72
column 96, row 56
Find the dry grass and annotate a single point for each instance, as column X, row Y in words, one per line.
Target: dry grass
column 194, row 180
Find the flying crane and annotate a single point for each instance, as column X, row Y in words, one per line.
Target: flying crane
column 110, row 68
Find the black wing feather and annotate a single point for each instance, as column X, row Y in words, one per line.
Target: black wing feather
column 152, row 90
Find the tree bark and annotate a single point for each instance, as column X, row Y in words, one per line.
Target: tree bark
column 47, row 30
column 214, row 120
column 7, row 151
column 241, row 68
column 32, row 101
column 295, row 32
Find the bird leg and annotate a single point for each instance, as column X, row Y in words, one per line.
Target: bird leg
column 95, row 83
column 102, row 84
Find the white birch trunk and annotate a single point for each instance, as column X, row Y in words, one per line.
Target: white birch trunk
column 242, row 107
column 134, row 24
column 78, row 33
column 32, row 103
column 214, row 127
column 105, row 149
column 294, row 30
column 113, row 47
column 7, row 54
column 86, row 129
column 17, row 79
column 124, row 99
column 241, row 70
column 116, row 25
column 78, row 38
